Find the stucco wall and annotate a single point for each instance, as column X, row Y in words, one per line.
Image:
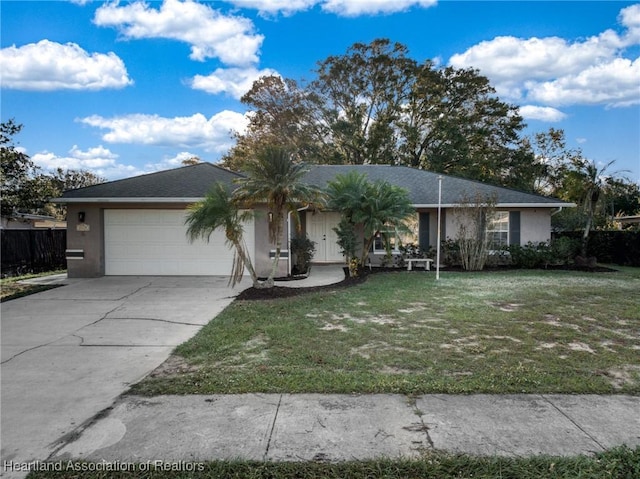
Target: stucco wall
column 89, row 238
column 262, row 261
column 535, row 225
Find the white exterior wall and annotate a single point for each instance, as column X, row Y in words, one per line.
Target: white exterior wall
column 451, row 225
column 535, row 225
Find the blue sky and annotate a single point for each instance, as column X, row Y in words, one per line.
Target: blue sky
column 124, row 88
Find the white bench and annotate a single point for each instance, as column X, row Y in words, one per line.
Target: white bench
column 425, row 261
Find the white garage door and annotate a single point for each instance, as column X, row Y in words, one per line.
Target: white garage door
column 154, row 242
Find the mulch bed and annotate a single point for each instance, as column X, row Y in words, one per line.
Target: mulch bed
column 283, row 292
column 251, row 294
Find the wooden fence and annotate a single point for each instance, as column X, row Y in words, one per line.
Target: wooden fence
column 32, row 251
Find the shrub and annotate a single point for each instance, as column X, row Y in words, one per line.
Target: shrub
column 473, row 243
column 450, row 251
column 302, row 251
column 346, row 239
column 499, row 257
column 412, row 250
column 531, row 255
column 564, row 249
column 619, row 247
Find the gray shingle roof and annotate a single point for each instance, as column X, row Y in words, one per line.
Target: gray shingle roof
column 423, row 185
column 187, row 182
column 195, row 181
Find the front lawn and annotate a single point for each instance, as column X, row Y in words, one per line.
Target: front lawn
column 489, row 332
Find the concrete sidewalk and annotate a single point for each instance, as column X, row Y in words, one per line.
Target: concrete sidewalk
column 304, row 427
column 319, row 275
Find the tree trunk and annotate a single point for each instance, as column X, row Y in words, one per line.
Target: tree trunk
column 585, row 236
column 269, row 283
column 246, row 260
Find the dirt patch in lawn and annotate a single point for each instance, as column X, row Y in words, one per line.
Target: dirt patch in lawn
column 173, row 366
column 628, row 375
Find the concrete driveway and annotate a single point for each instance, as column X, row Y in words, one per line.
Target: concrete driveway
column 68, row 353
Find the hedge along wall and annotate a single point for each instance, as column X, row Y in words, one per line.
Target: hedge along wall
column 617, row 247
column 25, row 251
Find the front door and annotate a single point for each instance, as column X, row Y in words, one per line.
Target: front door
column 320, row 230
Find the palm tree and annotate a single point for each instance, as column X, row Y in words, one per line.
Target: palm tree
column 218, row 210
column 385, row 208
column 369, row 207
column 586, row 183
column 274, row 180
column 345, row 195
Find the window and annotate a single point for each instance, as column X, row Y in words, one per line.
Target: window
column 498, row 230
column 396, row 239
column 383, row 239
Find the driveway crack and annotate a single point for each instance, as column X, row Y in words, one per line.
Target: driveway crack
column 160, row 320
column 71, row 334
column 30, row 349
column 573, row 422
column 127, row 296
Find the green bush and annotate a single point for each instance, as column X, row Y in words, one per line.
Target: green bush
column 450, row 250
column 302, row 251
column 346, row 239
column 617, row 247
column 531, row 255
column 564, row 250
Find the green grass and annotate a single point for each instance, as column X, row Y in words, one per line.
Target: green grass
column 499, row 332
column 11, row 289
column 618, row 463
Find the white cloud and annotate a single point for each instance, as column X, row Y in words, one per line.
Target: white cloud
column 102, row 162
column 630, row 18
column 616, row 83
column 345, row 8
column 275, row 7
column 556, row 71
column 196, row 131
column 98, row 160
column 233, row 81
column 210, row 33
column 48, row 65
column 354, row 8
column 168, row 163
column 509, row 59
column 544, row 113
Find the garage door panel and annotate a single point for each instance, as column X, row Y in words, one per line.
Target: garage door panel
column 154, row 242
